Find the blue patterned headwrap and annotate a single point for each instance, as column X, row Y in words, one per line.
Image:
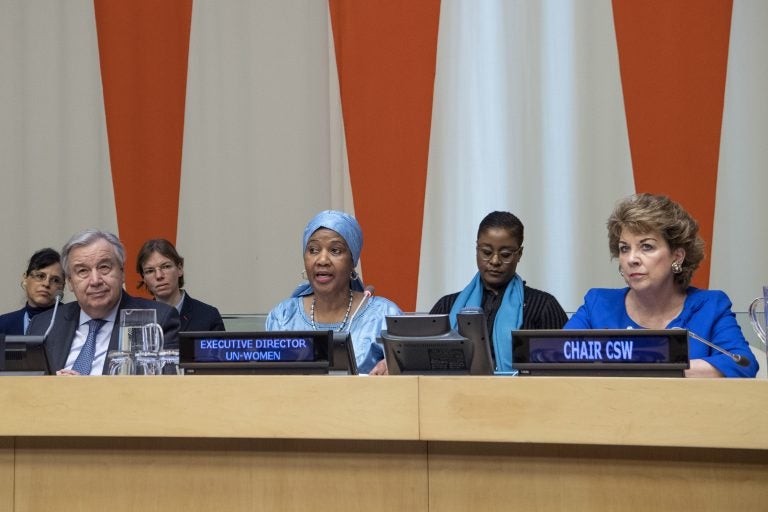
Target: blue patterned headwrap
column 346, row 226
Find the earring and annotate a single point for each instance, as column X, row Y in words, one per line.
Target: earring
column 354, row 275
column 304, row 275
column 676, row 267
column 621, row 272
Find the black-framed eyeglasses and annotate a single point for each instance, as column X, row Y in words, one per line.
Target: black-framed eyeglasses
column 42, row 277
column 505, row 256
column 151, row 271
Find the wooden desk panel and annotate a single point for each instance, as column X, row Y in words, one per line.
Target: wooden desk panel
column 287, row 407
column 537, row 477
column 398, row 443
column 7, row 461
column 706, row 413
column 165, row 474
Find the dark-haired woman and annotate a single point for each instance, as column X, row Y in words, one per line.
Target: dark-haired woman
column 42, row 282
column 497, row 288
column 162, row 271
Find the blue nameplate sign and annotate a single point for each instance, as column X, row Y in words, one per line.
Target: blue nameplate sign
column 272, row 352
column 254, row 349
column 600, row 352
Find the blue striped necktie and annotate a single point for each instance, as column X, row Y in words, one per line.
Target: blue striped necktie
column 84, row 360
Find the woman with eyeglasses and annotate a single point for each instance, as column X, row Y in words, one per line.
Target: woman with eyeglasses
column 161, row 269
column 42, row 282
column 333, row 298
column 502, row 294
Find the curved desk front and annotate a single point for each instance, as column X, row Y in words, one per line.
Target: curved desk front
column 397, row 443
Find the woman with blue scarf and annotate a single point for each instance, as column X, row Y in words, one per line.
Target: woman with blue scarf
column 497, row 288
column 333, row 297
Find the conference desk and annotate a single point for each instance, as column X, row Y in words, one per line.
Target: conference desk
column 396, row 443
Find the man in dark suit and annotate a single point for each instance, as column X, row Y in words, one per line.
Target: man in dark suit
column 85, row 331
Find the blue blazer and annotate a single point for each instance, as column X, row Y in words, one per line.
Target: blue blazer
column 59, row 340
column 13, row 322
column 705, row 312
column 199, row 316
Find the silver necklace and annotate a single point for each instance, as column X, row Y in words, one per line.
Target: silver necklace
column 346, row 315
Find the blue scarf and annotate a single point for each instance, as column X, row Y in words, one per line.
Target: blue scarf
column 508, row 318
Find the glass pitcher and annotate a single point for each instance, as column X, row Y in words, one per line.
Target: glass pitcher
column 754, row 316
column 139, row 331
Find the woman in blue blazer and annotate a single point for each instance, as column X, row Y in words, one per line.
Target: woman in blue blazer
column 658, row 247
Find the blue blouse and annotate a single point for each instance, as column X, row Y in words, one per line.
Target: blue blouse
column 366, row 326
column 706, row 313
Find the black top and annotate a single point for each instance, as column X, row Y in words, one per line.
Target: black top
column 540, row 309
column 199, row 316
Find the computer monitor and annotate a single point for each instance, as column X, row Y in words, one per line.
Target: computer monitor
column 418, row 344
column 23, row 355
column 343, row 359
column 263, row 352
column 472, row 324
column 601, row 352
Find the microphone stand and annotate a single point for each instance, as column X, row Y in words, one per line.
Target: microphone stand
column 740, row 360
column 53, row 316
column 367, row 293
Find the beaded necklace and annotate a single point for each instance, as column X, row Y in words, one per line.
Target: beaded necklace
column 346, row 315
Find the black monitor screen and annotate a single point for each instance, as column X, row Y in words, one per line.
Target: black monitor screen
column 424, row 345
column 23, row 355
column 343, row 359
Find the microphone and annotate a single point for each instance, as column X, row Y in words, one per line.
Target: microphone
column 740, row 360
column 367, row 293
column 59, row 297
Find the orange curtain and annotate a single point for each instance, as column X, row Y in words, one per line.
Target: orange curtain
column 385, row 53
column 143, row 50
column 673, row 58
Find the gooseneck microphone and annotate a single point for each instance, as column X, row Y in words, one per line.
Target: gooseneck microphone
column 59, row 297
column 738, row 359
column 367, row 292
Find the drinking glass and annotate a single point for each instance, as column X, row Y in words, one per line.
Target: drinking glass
column 139, row 331
column 146, row 363
column 169, row 362
column 120, row 362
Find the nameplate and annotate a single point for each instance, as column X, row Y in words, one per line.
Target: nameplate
column 600, row 349
column 292, row 351
column 254, row 349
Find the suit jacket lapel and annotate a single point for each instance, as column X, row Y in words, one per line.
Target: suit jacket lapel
column 64, row 330
column 185, row 313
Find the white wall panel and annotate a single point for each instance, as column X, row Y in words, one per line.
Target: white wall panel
column 54, row 160
column 740, row 245
column 528, row 117
column 257, row 148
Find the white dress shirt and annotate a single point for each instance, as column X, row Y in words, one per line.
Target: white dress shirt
column 102, row 341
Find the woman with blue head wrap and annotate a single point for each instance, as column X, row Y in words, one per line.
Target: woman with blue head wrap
column 332, row 298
